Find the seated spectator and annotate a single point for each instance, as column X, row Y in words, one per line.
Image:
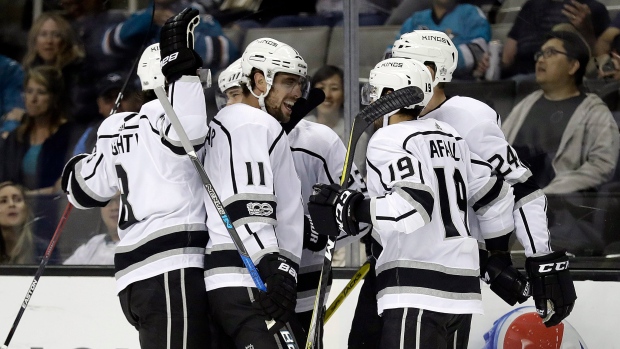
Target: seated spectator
column 52, row 42
column 604, row 42
column 331, row 13
column 215, row 49
column 17, row 243
column 467, row 27
column 34, row 154
column 107, row 90
column 11, row 101
column 99, row 250
column 92, row 22
column 536, row 18
column 609, row 63
column 330, row 79
column 567, row 138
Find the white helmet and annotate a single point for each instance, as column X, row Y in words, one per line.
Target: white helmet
column 429, row 46
column 149, row 68
column 231, row 76
column 271, row 57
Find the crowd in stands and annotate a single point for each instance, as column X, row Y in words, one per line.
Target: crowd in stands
column 79, row 53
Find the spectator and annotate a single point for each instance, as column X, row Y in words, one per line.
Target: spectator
column 536, row 18
column 581, row 149
column 107, row 92
column 466, row 25
column 331, row 13
column 567, row 138
column 609, row 63
column 16, row 238
column 34, row 154
column 52, row 42
column 604, row 42
column 215, row 49
column 330, row 79
column 11, row 101
column 99, row 250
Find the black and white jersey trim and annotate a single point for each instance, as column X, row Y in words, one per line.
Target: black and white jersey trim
column 232, row 167
column 492, row 191
column 225, row 259
column 275, row 142
column 425, row 133
column 481, row 163
column 322, row 159
column 374, row 168
column 415, row 277
column 248, row 208
column 130, row 258
column 83, row 195
column 417, row 195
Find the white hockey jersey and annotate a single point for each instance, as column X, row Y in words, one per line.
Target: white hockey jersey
column 318, row 154
column 162, row 215
column 421, row 178
column 249, row 162
column 479, row 125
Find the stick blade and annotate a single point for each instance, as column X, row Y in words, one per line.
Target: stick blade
column 398, row 99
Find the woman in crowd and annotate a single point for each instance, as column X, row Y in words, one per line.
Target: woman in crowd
column 53, row 42
column 330, row 79
column 16, row 239
column 34, row 154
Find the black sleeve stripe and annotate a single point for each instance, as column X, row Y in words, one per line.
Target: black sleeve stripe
column 276, row 142
column 422, row 197
column 94, row 168
column 251, row 210
column 490, row 196
column 232, row 167
column 322, row 159
column 130, row 116
column 374, row 168
column 522, row 190
column 403, row 216
column 420, row 172
column 481, row 163
column 527, row 229
column 424, row 133
column 81, row 197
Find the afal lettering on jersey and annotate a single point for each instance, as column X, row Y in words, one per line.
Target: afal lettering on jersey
column 443, row 148
column 123, row 143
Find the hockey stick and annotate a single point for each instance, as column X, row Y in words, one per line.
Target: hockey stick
column 384, row 105
column 37, row 275
column 359, row 275
column 189, row 150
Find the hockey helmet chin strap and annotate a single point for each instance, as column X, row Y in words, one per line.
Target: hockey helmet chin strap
column 386, row 117
column 261, row 97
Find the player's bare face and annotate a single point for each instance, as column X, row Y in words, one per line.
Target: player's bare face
column 37, row 99
column 233, row 95
column 334, row 95
column 12, row 207
column 48, row 41
column 285, row 91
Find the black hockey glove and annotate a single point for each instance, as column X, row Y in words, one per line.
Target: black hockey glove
column 552, row 286
column 341, row 203
column 176, row 45
column 312, row 240
column 280, row 277
column 67, row 170
column 303, row 106
column 506, row 281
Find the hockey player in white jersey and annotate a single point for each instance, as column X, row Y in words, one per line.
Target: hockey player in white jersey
column 318, row 154
column 421, row 179
column 229, row 82
column 159, row 259
column 248, row 159
column 479, row 125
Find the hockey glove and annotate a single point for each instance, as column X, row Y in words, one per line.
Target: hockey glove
column 312, row 240
column 67, row 170
column 506, row 281
column 342, row 203
column 176, row 45
column 280, row 277
column 552, row 286
column 303, row 106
